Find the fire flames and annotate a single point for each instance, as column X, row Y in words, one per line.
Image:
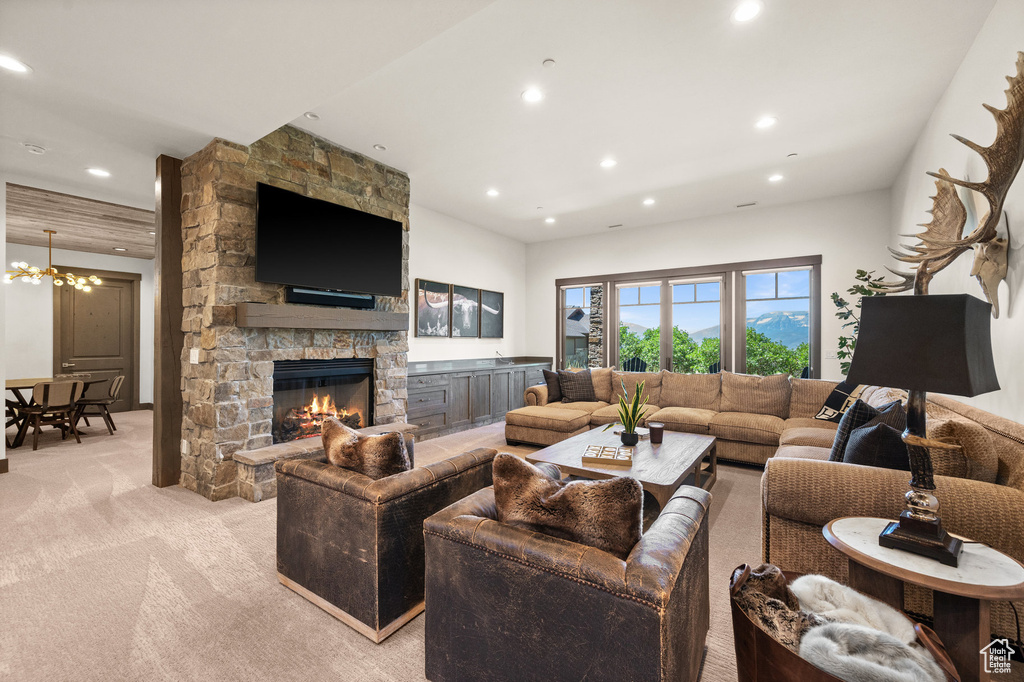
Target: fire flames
column 306, row 422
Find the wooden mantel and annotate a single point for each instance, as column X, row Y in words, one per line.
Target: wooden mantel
column 263, row 315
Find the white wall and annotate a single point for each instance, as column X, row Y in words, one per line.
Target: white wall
column 29, row 312
column 3, row 259
column 849, row 232
column 444, row 249
column 980, row 78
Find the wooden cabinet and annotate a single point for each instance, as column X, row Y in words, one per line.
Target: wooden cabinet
column 450, row 396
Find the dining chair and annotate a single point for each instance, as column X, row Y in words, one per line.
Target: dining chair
column 53, row 404
column 102, row 405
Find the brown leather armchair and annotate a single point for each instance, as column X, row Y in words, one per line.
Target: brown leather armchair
column 509, row 604
column 354, row 546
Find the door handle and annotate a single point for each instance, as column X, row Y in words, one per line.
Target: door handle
column 67, row 364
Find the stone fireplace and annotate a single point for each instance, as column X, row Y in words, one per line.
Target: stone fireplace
column 230, row 364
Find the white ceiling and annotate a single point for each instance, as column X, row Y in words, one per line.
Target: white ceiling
column 671, row 89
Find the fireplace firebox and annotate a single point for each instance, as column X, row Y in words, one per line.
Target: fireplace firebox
column 308, row 391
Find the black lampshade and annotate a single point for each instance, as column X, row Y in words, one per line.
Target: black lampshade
column 936, row 343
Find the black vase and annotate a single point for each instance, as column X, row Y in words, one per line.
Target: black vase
column 629, row 438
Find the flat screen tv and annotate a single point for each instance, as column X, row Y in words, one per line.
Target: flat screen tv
column 306, row 242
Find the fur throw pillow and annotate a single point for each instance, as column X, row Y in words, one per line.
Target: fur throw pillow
column 859, row 654
column 843, row 604
column 768, row 602
column 377, row 456
column 605, row 514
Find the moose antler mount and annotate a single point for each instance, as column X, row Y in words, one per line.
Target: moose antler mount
column 942, row 240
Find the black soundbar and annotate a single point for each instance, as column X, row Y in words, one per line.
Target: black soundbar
column 338, row 299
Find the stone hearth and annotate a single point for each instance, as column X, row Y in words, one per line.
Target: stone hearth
column 228, row 389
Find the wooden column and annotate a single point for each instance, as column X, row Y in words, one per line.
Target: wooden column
column 169, row 339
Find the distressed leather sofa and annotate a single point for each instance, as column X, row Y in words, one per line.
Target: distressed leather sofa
column 505, row 603
column 354, row 546
column 801, row 491
column 750, row 416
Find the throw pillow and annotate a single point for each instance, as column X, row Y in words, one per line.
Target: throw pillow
column 891, row 414
column 554, row 386
column 877, row 445
column 976, row 459
column 607, row 514
column 838, row 401
column 858, row 414
column 376, row 456
column 576, row 386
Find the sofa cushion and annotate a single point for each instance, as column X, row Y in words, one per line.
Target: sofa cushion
column 652, row 385
column 805, row 423
column 808, row 396
column 589, row 408
column 977, row 459
column 576, row 386
column 601, row 378
column 684, row 419
column 548, row 418
column 554, row 385
column 877, row 445
column 606, row 514
column 804, row 435
column 764, row 429
column 755, row 394
column 375, row 456
column 610, row 414
column 701, row 391
column 803, row 452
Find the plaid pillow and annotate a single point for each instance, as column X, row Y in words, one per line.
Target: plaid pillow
column 858, row 414
column 891, row 414
column 576, row 386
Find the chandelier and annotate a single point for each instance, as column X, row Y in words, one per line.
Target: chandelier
column 30, row 274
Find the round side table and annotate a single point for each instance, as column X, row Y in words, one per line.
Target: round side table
column 961, row 595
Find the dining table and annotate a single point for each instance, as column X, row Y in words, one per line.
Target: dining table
column 16, row 386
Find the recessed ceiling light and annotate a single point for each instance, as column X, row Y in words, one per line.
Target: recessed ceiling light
column 608, row 163
column 492, row 192
column 548, row 63
column 380, row 147
column 790, row 156
column 12, row 64
column 747, row 10
column 649, row 201
column 775, row 178
column 549, row 220
column 766, row 122
column 98, row 172
column 153, row 233
column 312, row 116
column 532, row 95
column 120, row 248
column 749, row 203
column 33, row 148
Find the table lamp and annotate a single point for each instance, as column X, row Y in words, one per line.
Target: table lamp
column 939, row 343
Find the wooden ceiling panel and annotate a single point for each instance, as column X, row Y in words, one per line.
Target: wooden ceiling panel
column 81, row 224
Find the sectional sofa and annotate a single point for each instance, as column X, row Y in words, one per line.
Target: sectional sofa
column 751, row 416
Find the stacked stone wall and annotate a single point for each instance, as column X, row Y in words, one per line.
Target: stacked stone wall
column 595, row 343
column 228, row 393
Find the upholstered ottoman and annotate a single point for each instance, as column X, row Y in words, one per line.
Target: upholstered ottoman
column 544, row 425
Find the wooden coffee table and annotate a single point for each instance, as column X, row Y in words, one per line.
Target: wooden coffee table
column 660, row 468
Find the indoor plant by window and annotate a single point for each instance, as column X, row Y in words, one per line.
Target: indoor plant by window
column 631, row 411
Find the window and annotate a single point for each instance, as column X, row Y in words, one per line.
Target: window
column 696, row 326
column 575, row 315
column 640, row 327
column 778, row 322
column 760, row 318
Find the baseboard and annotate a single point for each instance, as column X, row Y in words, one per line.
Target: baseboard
column 375, row 636
column 145, row 406
column 4, row 463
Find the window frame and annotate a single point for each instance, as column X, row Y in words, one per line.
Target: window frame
column 733, row 296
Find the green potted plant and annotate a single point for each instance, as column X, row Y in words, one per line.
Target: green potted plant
column 631, row 411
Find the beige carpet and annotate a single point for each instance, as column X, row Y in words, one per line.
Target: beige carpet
column 104, row 577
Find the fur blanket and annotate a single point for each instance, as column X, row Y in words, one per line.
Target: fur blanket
column 859, row 654
column 768, row 601
column 825, row 597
